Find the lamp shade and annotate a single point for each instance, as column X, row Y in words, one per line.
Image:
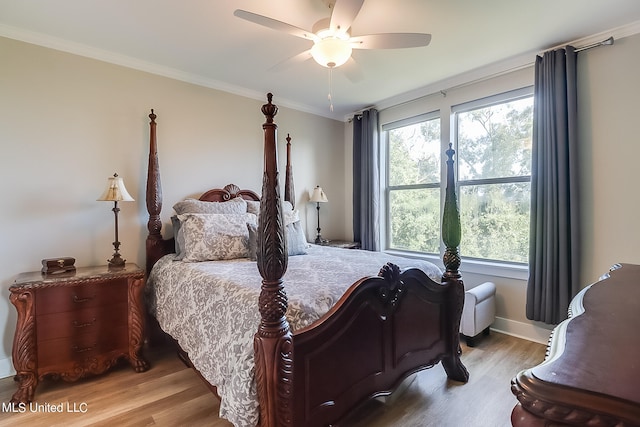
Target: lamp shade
column 116, row 191
column 318, row 195
column 331, row 52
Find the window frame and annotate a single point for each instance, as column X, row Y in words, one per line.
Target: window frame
column 387, row 188
column 448, row 133
column 489, row 101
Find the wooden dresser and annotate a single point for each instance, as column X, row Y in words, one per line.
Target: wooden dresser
column 591, row 375
column 76, row 324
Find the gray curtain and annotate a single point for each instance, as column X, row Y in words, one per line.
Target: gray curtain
column 366, row 180
column 554, row 258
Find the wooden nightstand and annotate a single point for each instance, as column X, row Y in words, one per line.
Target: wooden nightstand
column 344, row 244
column 73, row 325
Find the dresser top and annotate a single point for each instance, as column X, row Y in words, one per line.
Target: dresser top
column 592, row 370
column 37, row 278
column 600, row 351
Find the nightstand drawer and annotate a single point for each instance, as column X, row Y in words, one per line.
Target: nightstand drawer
column 90, row 320
column 81, row 350
column 71, row 298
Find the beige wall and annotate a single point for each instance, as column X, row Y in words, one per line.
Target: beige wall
column 609, row 110
column 68, row 122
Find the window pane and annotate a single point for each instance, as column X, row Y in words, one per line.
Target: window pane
column 414, row 154
column 414, row 220
column 495, row 141
column 495, row 221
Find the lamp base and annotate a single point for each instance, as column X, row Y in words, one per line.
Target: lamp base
column 320, row 241
column 116, row 262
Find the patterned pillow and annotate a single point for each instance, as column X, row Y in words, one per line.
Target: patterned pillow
column 212, row 237
column 237, row 205
column 296, row 241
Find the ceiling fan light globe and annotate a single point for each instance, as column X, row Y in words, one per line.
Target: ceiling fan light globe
column 331, row 52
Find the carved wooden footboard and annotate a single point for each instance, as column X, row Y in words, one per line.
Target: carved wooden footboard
column 383, row 329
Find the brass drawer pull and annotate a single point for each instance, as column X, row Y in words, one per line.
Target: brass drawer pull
column 82, row 349
column 80, row 300
column 83, row 325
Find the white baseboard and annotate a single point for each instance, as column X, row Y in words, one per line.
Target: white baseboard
column 6, row 368
column 527, row 331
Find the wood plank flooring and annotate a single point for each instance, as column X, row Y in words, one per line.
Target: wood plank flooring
column 170, row 394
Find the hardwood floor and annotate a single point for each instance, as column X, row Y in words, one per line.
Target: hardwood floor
column 170, row 394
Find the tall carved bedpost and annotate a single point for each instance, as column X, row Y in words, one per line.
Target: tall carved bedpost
column 289, row 192
column 154, row 193
column 272, row 342
column 451, row 234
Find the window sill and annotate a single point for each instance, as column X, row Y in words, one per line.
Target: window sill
column 474, row 266
column 495, row 269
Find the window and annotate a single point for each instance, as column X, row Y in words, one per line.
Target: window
column 413, row 184
column 493, row 138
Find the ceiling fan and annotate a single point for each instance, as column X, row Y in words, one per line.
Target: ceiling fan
column 332, row 40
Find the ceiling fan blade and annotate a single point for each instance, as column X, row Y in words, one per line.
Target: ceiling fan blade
column 352, row 71
column 344, row 12
column 390, row 41
column 274, row 24
column 296, row 59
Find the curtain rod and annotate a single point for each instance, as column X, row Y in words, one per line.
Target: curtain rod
column 606, row 42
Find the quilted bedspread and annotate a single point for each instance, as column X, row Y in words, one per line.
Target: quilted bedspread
column 211, row 309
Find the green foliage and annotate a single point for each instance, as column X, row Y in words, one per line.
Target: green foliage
column 414, row 158
column 493, row 142
column 415, row 220
column 495, row 221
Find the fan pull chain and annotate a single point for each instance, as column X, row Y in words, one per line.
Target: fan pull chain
column 330, row 90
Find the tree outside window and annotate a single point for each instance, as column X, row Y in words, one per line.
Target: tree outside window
column 494, row 174
column 414, row 187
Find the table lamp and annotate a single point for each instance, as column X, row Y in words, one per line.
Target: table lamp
column 318, row 197
column 116, row 192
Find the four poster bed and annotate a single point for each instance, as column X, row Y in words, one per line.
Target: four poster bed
column 300, row 349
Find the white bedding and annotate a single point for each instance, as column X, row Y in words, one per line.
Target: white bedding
column 211, row 309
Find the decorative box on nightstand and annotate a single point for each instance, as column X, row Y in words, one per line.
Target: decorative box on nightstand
column 344, row 244
column 76, row 324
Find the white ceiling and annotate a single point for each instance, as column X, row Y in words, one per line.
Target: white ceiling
column 200, row 41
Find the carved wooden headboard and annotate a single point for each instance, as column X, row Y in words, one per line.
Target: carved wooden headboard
column 227, row 193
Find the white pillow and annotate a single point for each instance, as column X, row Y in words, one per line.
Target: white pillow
column 291, row 216
column 296, row 240
column 253, row 206
column 237, row 205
